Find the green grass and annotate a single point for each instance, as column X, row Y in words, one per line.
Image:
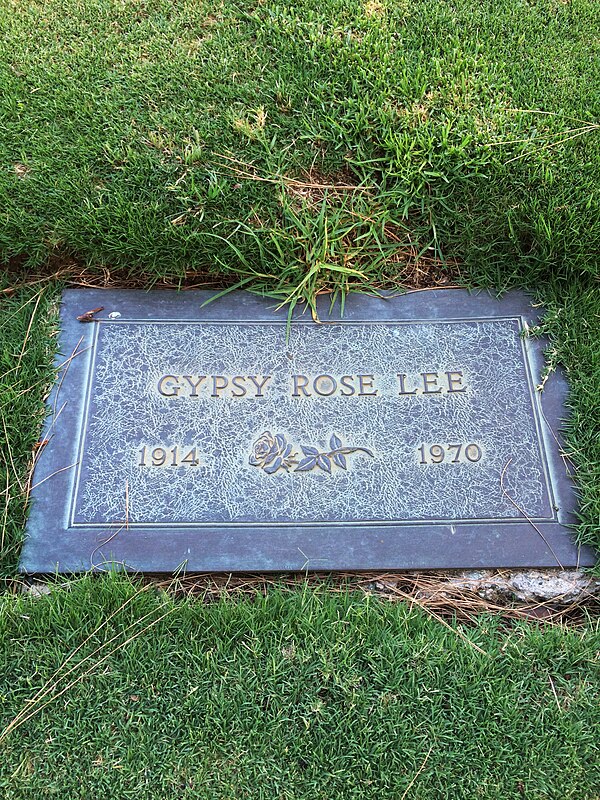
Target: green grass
column 28, row 325
column 172, row 141
column 304, row 695
column 116, row 116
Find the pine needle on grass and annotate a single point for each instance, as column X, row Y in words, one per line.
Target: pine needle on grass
column 34, row 705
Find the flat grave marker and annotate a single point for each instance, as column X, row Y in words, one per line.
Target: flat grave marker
column 408, row 433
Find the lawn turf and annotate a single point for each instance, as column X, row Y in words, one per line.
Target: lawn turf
column 298, row 695
column 475, row 127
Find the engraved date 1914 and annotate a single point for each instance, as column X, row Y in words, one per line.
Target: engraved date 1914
column 168, row 457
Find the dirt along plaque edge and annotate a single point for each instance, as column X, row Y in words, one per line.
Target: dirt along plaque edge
column 54, row 543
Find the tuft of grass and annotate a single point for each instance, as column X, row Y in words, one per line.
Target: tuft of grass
column 330, row 239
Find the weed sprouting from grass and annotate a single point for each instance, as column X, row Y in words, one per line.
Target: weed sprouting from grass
column 325, row 239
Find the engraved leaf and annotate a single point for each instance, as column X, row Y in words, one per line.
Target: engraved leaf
column 335, row 442
column 309, row 451
column 274, row 466
column 306, row 464
column 340, row 460
column 280, row 439
column 324, row 462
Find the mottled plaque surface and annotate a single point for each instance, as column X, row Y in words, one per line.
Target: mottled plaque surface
column 407, row 433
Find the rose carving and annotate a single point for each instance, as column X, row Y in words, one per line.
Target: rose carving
column 272, row 452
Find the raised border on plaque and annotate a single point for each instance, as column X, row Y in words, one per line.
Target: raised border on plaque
column 348, row 510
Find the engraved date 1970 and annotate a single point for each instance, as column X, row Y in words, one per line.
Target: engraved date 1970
column 168, row 456
column 450, row 453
